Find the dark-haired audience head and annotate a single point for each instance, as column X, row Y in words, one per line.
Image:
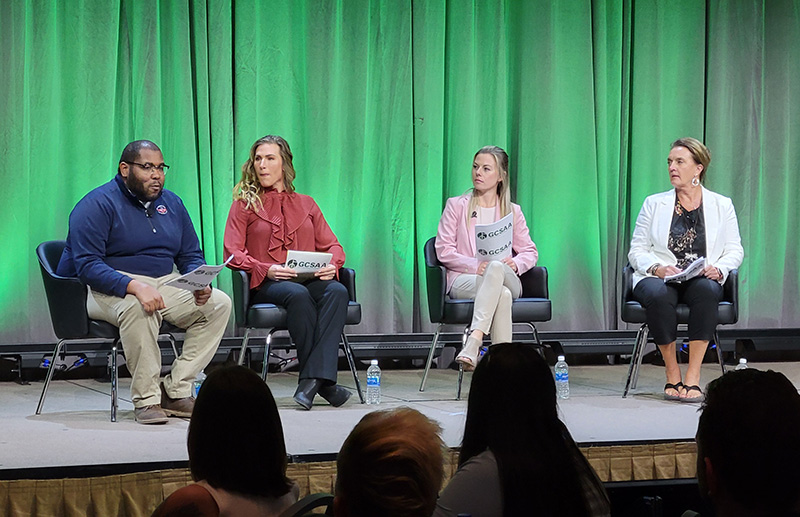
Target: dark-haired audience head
column 748, row 444
column 512, row 384
column 512, row 412
column 235, row 436
column 390, row 465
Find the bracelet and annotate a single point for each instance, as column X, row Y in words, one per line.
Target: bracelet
column 652, row 269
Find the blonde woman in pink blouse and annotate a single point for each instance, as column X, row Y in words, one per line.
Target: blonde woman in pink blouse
column 494, row 284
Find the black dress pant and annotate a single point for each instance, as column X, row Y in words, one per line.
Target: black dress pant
column 660, row 298
column 316, row 314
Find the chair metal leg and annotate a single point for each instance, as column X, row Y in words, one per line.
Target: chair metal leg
column 267, row 345
column 171, row 339
column 460, row 378
column 636, row 358
column 114, row 380
column 49, row 376
column 430, row 357
column 535, row 334
column 719, row 351
column 348, row 352
column 640, row 356
column 464, row 337
column 243, row 350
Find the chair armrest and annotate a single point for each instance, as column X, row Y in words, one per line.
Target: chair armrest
column 534, row 283
column 241, row 295
column 347, row 277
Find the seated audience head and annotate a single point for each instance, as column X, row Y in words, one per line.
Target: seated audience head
column 748, row 444
column 235, row 436
column 390, row 465
column 512, row 411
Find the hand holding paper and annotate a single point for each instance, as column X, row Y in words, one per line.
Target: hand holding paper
column 198, row 279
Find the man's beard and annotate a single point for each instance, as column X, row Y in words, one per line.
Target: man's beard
column 139, row 190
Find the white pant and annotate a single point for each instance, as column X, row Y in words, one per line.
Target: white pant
column 493, row 293
column 138, row 331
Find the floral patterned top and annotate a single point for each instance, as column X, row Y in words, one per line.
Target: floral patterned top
column 687, row 234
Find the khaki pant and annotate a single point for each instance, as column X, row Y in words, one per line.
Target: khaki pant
column 138, row 331
column 493, row 292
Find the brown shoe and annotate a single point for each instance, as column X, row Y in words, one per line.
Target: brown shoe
column 182, row 407
column 150, row 415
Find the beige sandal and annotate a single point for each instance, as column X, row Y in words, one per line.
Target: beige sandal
column 468, row 356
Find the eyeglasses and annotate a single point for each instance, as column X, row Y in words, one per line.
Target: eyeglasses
column 149, row 167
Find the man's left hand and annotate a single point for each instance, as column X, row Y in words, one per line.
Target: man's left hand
column 202, row 296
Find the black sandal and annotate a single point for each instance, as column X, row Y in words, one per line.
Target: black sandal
column 676, row 387
column 698, row 398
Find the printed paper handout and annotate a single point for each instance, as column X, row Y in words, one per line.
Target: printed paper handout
column 493, row 241
column 692, row 270
column 200, row 278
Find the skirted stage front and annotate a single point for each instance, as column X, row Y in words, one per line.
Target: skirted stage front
column 71, row 460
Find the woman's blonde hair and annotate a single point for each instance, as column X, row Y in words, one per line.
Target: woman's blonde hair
column 700, row 153
column 249, row 189
column 503, row 188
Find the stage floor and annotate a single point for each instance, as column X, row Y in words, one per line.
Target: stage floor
column 74, row 429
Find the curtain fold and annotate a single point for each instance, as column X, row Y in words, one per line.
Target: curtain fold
column 384, row 105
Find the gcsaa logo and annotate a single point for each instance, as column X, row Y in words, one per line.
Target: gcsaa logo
column 482, row 251
column 291, row 264
column 481, row 235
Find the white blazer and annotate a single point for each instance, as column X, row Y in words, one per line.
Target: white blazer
column 649, row 243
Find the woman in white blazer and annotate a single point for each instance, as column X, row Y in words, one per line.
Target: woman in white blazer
column 673, row 229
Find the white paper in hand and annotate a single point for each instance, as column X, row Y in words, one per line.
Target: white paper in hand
column 200, row 278
column 306, row 263
column 493, row 241
column 692, row 270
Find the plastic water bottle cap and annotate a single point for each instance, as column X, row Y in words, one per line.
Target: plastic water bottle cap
column 742, row 361
column 374, row 361
column 561, row 358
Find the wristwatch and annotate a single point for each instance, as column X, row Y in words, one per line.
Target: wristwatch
column 652, row 269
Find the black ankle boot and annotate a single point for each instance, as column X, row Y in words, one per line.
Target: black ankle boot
column 335, row 394
column 306, row 391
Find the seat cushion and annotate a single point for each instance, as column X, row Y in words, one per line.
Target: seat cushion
column 269, row 315
column 459, row 311
column 633, row 312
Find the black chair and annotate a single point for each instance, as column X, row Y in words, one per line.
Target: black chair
column 633, row 312
column 273, row 318
column 66, row 299
column 533, row 306
column 303, row 507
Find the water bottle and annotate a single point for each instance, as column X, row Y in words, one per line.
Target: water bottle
column 562, row 378
column 374, row 383
column 742, row 364
column 198, row 381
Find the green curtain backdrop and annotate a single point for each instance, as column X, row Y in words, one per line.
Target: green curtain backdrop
column 385, row 103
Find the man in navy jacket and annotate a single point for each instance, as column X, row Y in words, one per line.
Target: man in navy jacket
column 125, row 240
